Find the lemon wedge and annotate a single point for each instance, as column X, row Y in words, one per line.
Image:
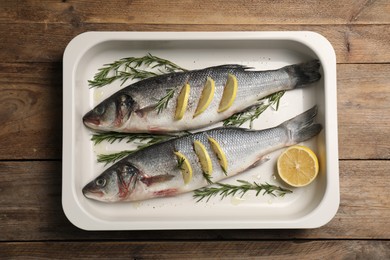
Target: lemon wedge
column 298, row 166
column 219, row 153
column 206, row 96
column 229, row 93
column 182, row 102
column 185, row 167
column 204, row 157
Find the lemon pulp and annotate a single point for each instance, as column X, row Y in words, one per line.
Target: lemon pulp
column 206, row 97
column 298, row 166
column 219, row 153
column 185, row 167
column 182, row 102
column 229, row 93
column 204, row 157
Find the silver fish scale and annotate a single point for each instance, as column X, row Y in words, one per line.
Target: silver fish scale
column 252, row 85
column 147, row 108
column 242, row 148
column 158, row 173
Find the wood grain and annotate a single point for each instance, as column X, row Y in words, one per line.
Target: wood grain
column 363, row 111
column 202, row 250
column 197, row 12
column 30, row 208
column 31, row 111
column 33, row 37
column 352, row 43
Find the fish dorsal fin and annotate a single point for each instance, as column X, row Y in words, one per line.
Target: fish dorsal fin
column 232, row 67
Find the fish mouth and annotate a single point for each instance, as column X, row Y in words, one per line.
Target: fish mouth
column 91, row 120
column 92, row 193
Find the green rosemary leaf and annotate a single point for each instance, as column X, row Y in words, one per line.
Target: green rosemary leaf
column 226, row 190
column 112, row 137
column 134, row 73
column 129, row 68
column 145, row 139
column 207, row 177
column 113, row 157
column 253, row 112
column 163, row 102
column 180, row 162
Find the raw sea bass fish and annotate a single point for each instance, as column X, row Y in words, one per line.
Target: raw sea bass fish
column 133, row 109
column 155, row 171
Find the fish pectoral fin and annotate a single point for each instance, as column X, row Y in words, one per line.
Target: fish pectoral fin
column 142, row 111
column 261, row 160
column 150, row 180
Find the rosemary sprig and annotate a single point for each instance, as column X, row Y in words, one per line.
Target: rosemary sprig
column 145, row 139
column 128, row 68
column 112, row 137
column 255, row 111
column 134, row 73
column 207, row 178
column 113, row 157
column 163, row 102
column 225, row 190
column 180, row 162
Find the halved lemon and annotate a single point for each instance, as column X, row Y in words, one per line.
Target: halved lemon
column 298, row 166
column 219, row 153
column 206, row 97
column 204, row 157
column 182, row 102
column 229, row 93
column 185, row 167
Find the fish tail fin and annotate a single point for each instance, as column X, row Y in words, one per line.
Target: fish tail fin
column 304, row 73
column 302, row 127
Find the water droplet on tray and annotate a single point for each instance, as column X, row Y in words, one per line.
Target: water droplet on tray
column 237, row 200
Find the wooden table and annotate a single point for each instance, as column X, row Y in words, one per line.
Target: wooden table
column 33, row 35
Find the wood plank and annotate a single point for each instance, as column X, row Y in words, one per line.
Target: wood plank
column 337, row 249
column 363, row 111
column 197, row 12
column 46, row 42
column 31, row 113
column 30, row 208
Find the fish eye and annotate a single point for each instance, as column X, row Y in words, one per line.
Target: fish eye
column 99, row 110
column 101, row 182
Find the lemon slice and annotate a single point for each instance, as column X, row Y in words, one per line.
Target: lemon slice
column 185, row 167
column 182, row 102
column 204, row 157
column 219, row 153
column 206, row 96
column 298, row 166
column 229, row 93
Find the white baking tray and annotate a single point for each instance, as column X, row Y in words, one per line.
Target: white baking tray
column 307, row 207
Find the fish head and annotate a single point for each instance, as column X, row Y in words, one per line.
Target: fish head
column 112, row 113
column 114, row 184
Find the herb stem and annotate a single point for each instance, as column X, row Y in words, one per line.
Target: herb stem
column 163, row 102
column 207, row 178
column 129, row 68
column 112, row 137
column 253, row 112
column 225, row 190
column 145, row 139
